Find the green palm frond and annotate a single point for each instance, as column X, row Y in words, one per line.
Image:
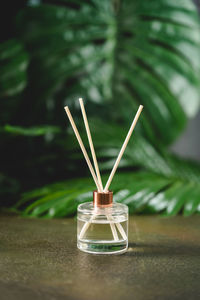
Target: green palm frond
column 169, row 185
column 30, row 132
column 143, row 192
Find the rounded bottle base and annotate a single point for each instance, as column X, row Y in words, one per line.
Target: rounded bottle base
column 102, row 247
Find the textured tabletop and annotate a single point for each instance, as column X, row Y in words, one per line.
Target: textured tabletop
column 39, row 260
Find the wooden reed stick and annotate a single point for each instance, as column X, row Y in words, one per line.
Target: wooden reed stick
column 85, row 227
column 87, row 224
column 121, row 230
column 82, row 147
column 123, row 148
column 91, row 143
column 112, row 226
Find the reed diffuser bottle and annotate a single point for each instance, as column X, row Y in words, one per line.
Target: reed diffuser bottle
column 102, row 224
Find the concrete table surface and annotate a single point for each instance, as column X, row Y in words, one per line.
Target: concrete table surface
column 39, row 260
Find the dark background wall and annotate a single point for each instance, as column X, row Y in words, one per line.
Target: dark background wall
column 188, row 144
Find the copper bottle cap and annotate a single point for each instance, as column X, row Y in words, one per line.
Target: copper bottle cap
column 102, row 199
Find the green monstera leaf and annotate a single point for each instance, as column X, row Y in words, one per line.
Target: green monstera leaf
column 14, row 62
column 121, row 52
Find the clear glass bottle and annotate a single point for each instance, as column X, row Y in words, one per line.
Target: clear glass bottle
column 102, row 225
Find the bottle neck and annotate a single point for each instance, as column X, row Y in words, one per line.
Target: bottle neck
column 102, row 199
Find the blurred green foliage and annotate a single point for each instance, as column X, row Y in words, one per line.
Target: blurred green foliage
column 116, row 55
